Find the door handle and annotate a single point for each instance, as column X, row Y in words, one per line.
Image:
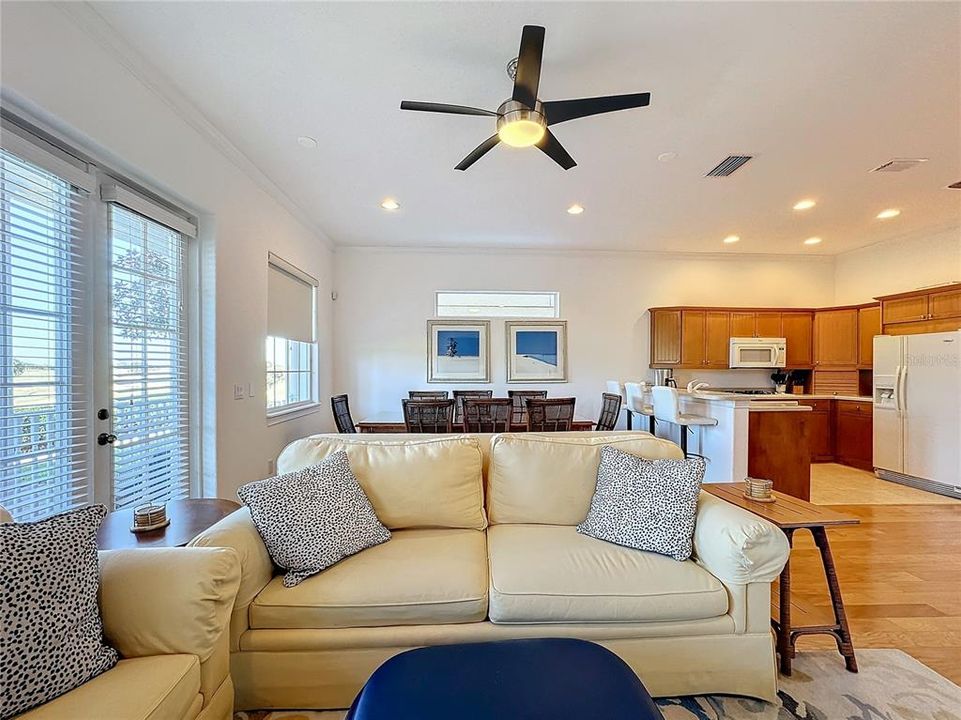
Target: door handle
column 106, row 439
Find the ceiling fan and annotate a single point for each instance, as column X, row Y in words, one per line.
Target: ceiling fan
column 524, row 120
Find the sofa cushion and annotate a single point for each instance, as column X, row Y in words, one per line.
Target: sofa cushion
column 550, row 479
column 418, row 577
column 313, row 518
column 552, row 574
column 158, row 687
column 411, row 482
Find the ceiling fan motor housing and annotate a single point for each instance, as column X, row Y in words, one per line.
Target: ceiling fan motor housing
column 519, row 125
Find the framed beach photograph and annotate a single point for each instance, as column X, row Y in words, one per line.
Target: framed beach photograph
column 458, row 351
column 536, row 351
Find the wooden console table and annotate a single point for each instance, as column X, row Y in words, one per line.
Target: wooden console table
column 790, row 514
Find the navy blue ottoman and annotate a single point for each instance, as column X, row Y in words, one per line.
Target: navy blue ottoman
column 543, row 679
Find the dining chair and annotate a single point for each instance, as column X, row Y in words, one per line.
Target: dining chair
column 519, row 412
column 487, row 415
column 610, row 412
column 550, row 415
column 342, row 418
column 428, row 416
column 459, row 396
column 428, row 394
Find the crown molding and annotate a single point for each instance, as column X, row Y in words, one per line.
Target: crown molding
column 86, row 17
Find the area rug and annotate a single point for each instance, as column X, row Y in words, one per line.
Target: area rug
column 890, row 686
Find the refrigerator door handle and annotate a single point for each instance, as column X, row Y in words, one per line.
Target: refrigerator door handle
column 899, row 388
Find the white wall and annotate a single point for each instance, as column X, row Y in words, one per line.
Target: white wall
column 80, row 86
column 897, row 266
column 385, row 297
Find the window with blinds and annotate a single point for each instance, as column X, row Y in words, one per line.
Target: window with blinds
column 149, row 360
column 291, row 346
column 44, row 466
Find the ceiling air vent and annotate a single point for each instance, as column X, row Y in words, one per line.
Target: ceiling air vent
column 729, row 165
column 899, row 164
column 955, row 186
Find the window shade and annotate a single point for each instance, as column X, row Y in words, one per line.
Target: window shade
column 149, row 360
column 290, row 302
column 44, row 465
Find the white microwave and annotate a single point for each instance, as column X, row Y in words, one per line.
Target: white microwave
column 751, row 352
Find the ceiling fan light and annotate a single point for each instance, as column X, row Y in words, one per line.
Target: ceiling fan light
column 521, row 133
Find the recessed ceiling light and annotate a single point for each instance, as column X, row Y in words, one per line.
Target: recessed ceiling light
column 306, row 141
column 731, row 239
column 806, row 204
column 390, row 204
column 812, row 241
column 888, row 214
column 667, row 156
column 575, row 209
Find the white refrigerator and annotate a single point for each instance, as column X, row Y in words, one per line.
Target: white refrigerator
column 917, row 410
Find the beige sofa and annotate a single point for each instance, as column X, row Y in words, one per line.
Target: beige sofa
column 166, row 612
column 484, row 548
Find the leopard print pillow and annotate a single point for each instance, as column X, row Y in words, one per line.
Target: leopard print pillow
column 645, row 504
column 51, row 635
column 313, row 518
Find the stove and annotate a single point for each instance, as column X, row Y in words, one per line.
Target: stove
column 749, row 391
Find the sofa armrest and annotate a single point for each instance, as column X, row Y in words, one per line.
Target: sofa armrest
column 237, row 531
column 165, row 601
column 736, row 546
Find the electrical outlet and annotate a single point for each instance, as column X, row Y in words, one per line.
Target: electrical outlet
column 238, row 392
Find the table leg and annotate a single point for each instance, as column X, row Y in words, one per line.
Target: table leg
column 785, row 643
column 843, row 633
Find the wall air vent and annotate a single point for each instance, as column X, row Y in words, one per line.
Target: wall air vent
column 899, row 164
column 729, row 165
column 955, row 186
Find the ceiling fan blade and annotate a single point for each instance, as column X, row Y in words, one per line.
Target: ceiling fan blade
column 529, row 65
column 444, row 108
column 478, row 152
column 553, row 148
column 558, row 111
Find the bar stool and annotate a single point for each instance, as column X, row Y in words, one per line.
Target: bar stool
column 667, row 409
column 635, row 404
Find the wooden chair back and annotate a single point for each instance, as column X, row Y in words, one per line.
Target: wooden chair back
column 610, row 411
column 550, row 415
column 428, row 416
column 487, row 415
column 428, row 394
column 342, row 418
column 519, row 413
column 459, row 396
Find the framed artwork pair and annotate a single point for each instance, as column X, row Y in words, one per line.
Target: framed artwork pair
column 459, row 351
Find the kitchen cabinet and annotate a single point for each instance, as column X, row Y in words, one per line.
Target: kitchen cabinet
column 836, row 338
column 922, row 311
column 869, row 325
column 853, row 433
column 762, row 323
column 692, row 338
column 742, row 324
column 820, row 435
column 797, row 328
column 665, row 338
column 778, row 450
column 717, row 339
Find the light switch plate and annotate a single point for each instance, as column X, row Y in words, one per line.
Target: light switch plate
column 238, row 392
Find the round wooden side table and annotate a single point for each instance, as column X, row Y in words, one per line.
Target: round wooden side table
column 188, row 518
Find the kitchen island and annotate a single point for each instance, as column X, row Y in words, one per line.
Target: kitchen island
column 777, row 423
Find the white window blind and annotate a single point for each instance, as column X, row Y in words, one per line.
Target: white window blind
column 290, row 301
column 44, row 466
column 480, row 303
column 291, row 348
column 149, row 360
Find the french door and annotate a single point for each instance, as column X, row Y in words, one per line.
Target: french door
column 94, row 378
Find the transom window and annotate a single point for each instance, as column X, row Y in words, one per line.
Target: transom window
column 484, row 303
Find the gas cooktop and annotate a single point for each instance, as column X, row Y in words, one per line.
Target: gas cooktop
column 748, row 391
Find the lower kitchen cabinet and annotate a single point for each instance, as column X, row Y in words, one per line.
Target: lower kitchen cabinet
column 854, row 434
column 820, row 430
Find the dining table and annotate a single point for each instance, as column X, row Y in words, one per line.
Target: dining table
column 392, row 421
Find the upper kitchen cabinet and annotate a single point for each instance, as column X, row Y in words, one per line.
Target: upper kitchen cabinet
column 869, row 325
column 717, row 339
column 836, row 338
column 922, row 311
column 665, row 338
column 692, row 338
column 797, row 328
column 761, row 323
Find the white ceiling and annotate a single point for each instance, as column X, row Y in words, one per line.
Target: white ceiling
column 819, row 93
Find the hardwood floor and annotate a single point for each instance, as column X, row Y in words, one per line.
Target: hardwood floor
column 900, row 569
